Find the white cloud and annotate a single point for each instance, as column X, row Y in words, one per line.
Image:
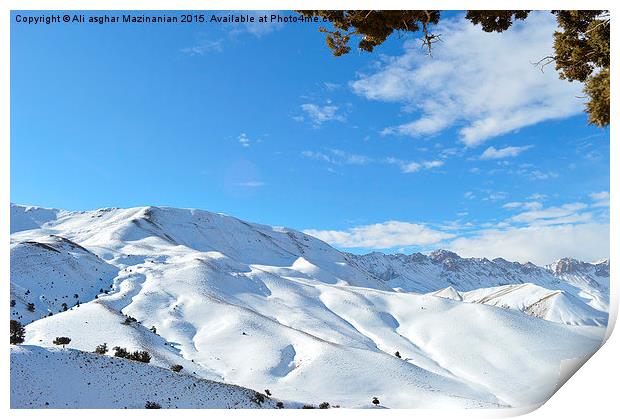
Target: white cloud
column 537, row 197
column 557, row 214
column 203, row 47
column 538, row 244
column 256, row 28
column 483, row 82
column 252, row 184
column 385, row 235
column 533, row 205
column 331, row 86
column 601, row 199
column 495, row 196
column 244, row 140
column 502, row 153
column 340, row 157
column 320, row 114
column 539, row 175
column 348, row 158
column 412, row 166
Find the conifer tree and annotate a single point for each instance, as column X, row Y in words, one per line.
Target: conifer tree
column 581, row 43
column 61, row 340
column 17, row 332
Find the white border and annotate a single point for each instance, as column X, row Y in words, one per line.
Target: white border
column 590, row 394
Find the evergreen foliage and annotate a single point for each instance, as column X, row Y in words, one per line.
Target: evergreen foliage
column 581, row 43
column 17, row 332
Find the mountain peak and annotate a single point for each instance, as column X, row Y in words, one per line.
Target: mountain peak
column 441, row 255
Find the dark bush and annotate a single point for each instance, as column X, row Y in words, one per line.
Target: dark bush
column 152, row 405
column 17, row 332
column 61, row 340
column 120, row 352
column 30, row 307
column 375, row 401
column 12, row 303
column 324, row 405
column 267, row 392
column 140, row 356
column 101, row 349
column 397, row 354
column 258, row 398
column 129, row 320
column 176, row 368
column 280, row 405
column 308, row 406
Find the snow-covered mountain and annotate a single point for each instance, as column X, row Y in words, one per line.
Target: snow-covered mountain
column 272, row 308
column 442, row 269
column 88, row 378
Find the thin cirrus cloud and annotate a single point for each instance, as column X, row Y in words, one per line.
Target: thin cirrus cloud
column 493, row 153
column 601, row 199
column 203, row 47
column 488, row 89
column 339, row 157
column 412, row 166
column 251, row 184
column 319, row 114
column 382, row 236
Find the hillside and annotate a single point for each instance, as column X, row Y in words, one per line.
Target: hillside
column 266, row 307
column 59, row 379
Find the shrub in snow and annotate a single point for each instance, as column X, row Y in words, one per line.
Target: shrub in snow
column 61, row 340
column 375, row 401
column 129, row 320
column 153, row 329
column 12, row 303
column 324, row 405
column 308, row 406
column 141, row 356
column 267, row 392
column 176, row 368
column 101, row 349
column 17, row 332
column 120, row 352
column 258, row 398
column 30, row 307
column 280, row 405
column 152, row 405
column 397, row 354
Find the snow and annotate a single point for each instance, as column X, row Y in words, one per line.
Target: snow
column 50, row 271
column 26, row 218
column 552, row 305
column 58, row 379
column 264, row 307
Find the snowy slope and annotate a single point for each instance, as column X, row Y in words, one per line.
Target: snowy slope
column 51, row 271
column 552, row 305
column 266, row 307
column 26, row 218
column 56, row 378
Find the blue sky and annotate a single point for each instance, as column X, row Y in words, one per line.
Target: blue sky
column 473, row 149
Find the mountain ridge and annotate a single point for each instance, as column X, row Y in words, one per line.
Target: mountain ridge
column 270, row 307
